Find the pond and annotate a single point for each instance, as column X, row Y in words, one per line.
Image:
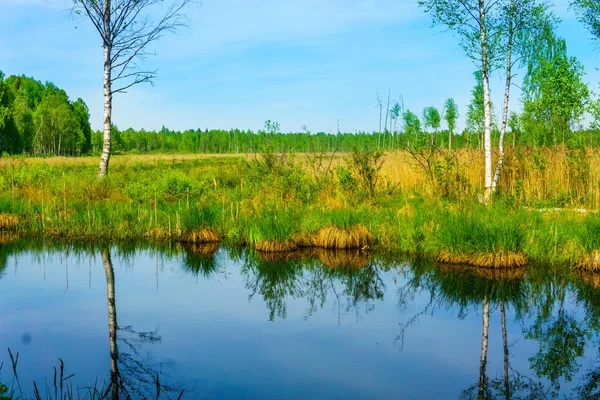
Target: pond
column 219, row 323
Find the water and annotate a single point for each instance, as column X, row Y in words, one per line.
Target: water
column 230, row 324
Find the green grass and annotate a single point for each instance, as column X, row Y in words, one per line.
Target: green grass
column 157, row 200
column 272, row 225
column 480, row 230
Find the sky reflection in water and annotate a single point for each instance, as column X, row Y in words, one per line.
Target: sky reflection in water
column 223, row 324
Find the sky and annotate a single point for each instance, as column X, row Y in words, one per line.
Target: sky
column 312, row 63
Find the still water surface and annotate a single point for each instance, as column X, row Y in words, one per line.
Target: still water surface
column 230, row 324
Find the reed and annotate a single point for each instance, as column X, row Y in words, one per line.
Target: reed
column 481, row 237
column 8, row 221
column 589, row 240
column 273, row 230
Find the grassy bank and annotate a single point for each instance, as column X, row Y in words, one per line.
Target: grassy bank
column 282, row 202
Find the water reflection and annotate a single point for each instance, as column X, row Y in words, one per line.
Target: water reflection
column 537, row 330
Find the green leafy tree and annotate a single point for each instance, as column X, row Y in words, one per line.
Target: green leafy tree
column 588, row 12
column 475, row 110
column 8, row 133
column 555, row 94
column 477, row 24
column 412, row 124
column 431, row 118
column 522, row 22
column 451, row 115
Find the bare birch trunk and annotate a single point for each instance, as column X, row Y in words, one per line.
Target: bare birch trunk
column 484, row 349
column 505, row 342
column 106, row 149
column 112, row 323
column 487, row 131
column 506, row 99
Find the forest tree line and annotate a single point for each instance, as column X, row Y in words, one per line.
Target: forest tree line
column 40, row 119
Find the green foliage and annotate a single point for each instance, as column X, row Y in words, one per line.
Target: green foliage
column 555, row 94
column 364, row 167
column 431, row 118
column 475, row 111
column 588, row 12
column 4, row 395
column 41, row 120
column 451, row 114
column 412, row 124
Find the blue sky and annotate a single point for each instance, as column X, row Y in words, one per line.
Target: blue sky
column 299, row 63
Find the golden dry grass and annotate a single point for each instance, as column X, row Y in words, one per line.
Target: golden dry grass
column 332, row 237
column 336, row 259
column 202, row 235
column 273, row 246
column 493, row 274
column 484, row 260
column 204, row 249
column 8, row 237
column 284, row 255
column 589, row 262
column 590, row 278
column 8, row 222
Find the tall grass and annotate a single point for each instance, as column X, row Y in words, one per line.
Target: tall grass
column 202, row 199
column 273, row 230
column 483, row 237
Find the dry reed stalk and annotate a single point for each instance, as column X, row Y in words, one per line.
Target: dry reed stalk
column 590, row 278
column 340, row 259
column 204, row 249
column 485, row 260
column 492, row 274
column 8, row 222
column 202, row 235
column 332, row 237
column 283, row 255
column 273, row 246
column 8, row 237
column 589, row 262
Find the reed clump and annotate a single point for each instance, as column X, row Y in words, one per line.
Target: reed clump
column 492, row 274
column 273, row 230
column 333, row 237
column 8, row 221
column 342, row 259
column 202, row 235
column 588, row 237
column 197, row 226
column 589, row 261
column 485, row 260
column 480, row 237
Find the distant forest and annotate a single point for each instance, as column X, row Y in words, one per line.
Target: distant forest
column 39, row 119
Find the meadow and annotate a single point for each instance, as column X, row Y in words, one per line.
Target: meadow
column 424, row 205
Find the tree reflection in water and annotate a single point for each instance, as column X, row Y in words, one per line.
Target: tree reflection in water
column 554, row 308
column 132, row 376
column 313, row 275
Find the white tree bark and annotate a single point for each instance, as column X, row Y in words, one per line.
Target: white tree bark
column 484, row 349
column 106, row 148
column 506, row 98
column 112, row 322
column 487, row 131
column 505, row 343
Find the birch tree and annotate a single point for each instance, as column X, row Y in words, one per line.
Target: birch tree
column 588, row 12
column 522, row 22
column 127, row 29
column 476, row 22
